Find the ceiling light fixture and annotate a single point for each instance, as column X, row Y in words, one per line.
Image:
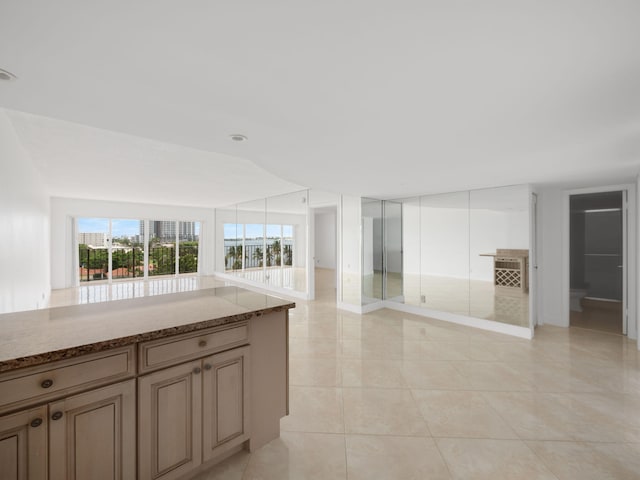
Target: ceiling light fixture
column 6, row 75
column 238, row 137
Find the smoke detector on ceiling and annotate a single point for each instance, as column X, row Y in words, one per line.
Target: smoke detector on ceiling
column 6, row 75
column 238, row 137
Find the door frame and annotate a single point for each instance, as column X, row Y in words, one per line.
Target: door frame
column 533, row 260
column 629, row 249
column 313, row 211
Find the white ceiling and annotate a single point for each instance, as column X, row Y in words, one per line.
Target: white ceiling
column 382, row 98
column 85, row 162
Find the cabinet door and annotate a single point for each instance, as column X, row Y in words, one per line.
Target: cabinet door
column 170, row 421
column 23, row 445
column 225, row 401
column 92, row 435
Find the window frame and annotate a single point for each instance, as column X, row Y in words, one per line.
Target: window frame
column 146, row 252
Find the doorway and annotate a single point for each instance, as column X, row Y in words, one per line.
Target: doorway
column 325, row 253
column 597, row 278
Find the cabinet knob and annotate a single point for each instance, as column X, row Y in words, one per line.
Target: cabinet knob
column 197, row 370
column 46, row 383
column 56, row 415
column 36, row 422
column 207, row 366
column 202, row 343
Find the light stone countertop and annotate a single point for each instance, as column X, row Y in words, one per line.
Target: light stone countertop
column 40, row 336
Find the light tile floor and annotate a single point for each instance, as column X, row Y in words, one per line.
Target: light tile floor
column 390, row 395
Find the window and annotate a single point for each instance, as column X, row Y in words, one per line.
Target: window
column 111, row 249
column 93, row 248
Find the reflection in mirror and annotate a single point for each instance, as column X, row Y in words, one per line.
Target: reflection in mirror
column 286, row 241
column 227, row 229
column 251, row 219
column 444, row 252
column 499, row 251
column 372, row 267
column 411, row 251
column 393, row 251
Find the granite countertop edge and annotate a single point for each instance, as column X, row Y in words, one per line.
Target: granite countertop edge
column 76, row 351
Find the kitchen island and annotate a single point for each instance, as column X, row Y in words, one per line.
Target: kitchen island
column 153, row 387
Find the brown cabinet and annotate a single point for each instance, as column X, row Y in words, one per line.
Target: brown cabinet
column 191, row 413
column 67, row 424
column 225, row 401
column 200, row 395
column 88, row 435
column 23, row 445
column 93, row 435
column 43, row 383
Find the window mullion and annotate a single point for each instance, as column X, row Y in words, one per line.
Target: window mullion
column 145, row 240
column 109, row 252
column 177, row 241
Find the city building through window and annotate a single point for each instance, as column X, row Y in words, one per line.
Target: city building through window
column 111, row 249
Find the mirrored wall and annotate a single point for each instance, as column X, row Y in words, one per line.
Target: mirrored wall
column 265, row 241
column 467, row 253
column 372, row 253
column 499, row 254
column 381, row 228
column 392, row 251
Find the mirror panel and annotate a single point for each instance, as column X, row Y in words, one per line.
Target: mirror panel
column 444, row 252
column 499, row 251
column 251, row 221
column 392, row 252
column 411, row 251
column 372, row 267
column 286, row 241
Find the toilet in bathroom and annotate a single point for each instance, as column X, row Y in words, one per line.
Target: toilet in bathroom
column 575, row 297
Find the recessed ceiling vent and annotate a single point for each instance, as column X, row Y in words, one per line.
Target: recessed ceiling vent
column 7, row 76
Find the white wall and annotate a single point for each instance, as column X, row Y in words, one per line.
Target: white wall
column 325, row 240
column 550, row 239
column 350, row 240
column 63, row 210
column 24, row 223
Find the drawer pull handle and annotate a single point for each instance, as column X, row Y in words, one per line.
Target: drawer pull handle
column 207, row 366
column 46, row 383
column 36, row 422
column 56, row 415
column 197, row 370
column 202, row 343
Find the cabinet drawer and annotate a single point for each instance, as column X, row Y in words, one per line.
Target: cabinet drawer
column 173, row 350
column 46, row 382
